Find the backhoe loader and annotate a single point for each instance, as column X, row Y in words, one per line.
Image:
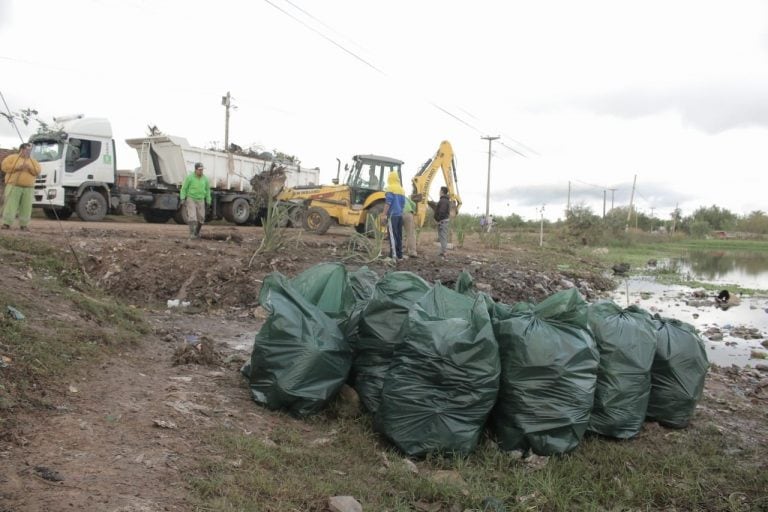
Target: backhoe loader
column 359, row 202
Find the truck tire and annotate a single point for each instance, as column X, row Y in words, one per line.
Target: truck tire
column 180, row 216
column 317, row 220
column 157, row 216
column 57, row 213
column 92, row 206
column 237, row 211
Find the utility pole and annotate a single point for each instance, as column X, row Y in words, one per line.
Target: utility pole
column 612, row 191
column 568, row 204
column 227, row 102
column 652, row 210
column 488, row 186
column 541, row 228
column 605, row 192
column 631, row 201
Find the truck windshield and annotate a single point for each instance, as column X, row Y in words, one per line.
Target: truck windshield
column 47, row 151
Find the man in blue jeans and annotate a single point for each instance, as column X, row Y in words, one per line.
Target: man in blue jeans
column 394, row 202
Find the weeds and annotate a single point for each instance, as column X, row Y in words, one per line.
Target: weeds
column 460, row 226
column 366, row 247
column 685, row 470
column 275, row 235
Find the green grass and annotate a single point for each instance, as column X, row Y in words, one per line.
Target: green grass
column 68, row 323
column 662, row 469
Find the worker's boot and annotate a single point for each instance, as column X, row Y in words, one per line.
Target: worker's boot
column 193, row 230
column 197, row 229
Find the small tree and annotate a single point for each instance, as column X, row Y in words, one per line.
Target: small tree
column 582, row 224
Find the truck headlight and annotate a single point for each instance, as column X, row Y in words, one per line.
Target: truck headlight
column 51, row 194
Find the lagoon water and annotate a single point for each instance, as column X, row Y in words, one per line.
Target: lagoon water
column 724, row 269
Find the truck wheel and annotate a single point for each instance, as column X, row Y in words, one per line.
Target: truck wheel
column 295, row 216
column 180, row 216
column 91, row 207
column 237, row 211
column 57, row 213
column 317, row 220
column 157, row 216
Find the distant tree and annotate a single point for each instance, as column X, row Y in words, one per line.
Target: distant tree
column 615, row 221
column 582, row 224
column 700, row 228
column 755, row 222
column 675, row 220
column 511, row 221
column 719, row 219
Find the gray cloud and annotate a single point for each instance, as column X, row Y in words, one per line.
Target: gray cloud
column 712, row 108
column 646, row 195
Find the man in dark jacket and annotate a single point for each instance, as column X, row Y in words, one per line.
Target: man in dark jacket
column 442, row 216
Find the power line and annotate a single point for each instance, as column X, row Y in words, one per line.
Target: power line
column 372, row 66
column 341, row 47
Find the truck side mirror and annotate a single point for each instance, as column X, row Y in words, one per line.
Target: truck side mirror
column 335, row 181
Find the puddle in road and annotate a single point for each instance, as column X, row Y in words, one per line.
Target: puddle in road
column 673, row 301
column 240, row 342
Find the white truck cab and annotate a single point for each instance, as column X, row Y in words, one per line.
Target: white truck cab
column 78, row 168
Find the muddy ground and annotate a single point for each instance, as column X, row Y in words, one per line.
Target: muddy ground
column 122, row 435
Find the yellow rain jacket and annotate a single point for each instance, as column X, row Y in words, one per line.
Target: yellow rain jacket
column 20, row 171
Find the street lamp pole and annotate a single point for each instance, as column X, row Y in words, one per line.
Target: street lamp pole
column 488, row 185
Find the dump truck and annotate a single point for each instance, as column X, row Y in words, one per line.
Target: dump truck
column 79, row 175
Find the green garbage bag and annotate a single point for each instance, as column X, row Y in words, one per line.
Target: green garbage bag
column 626, row 341
column 548, row 373
column 300, row 358
column 444, row 377
column 363, row 283
column 378, row 332
column 678, row 373
column 326, row 285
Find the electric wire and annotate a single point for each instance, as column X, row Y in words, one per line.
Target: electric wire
column 330, row 40
column 372, row 66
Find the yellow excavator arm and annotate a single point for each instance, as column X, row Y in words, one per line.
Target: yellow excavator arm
column 421, row 182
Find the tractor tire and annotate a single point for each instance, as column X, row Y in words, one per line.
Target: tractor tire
column 317, row 220
column 371, row 221
column 92, row 206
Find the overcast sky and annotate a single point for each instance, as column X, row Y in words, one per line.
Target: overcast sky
column 589, row 93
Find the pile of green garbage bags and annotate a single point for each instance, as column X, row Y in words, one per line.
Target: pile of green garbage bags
column 437, row 367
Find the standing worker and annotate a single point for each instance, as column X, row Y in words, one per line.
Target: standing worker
column 20, row 172
column 195, row 195
column 410, row 227
column 394, row 202
column 443, row 217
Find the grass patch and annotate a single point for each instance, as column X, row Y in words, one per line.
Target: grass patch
column 662, row 469
column 67, row 322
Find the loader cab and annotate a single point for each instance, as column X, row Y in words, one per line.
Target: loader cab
column 368, row 175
